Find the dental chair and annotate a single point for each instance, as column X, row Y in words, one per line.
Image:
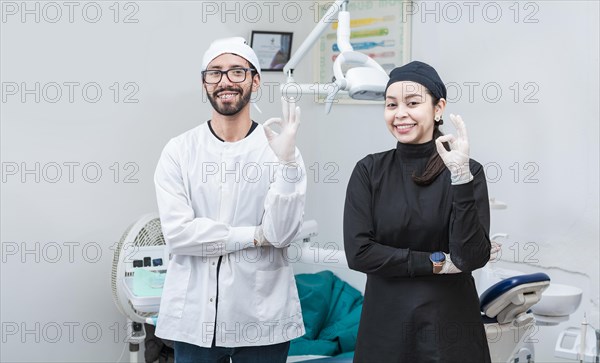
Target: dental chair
column 508, row 320
column 505, row 307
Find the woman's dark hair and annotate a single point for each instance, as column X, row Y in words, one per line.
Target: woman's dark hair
column 435, row 165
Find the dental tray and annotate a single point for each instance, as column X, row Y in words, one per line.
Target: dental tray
column 144, row 304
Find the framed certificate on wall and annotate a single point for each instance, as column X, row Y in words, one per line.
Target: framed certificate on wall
column 272, row 48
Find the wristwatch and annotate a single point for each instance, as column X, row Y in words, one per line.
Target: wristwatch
column 437, row 259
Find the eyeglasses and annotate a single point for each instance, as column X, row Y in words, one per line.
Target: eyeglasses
column 235, row 75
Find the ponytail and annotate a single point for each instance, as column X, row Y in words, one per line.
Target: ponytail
column 435, row 165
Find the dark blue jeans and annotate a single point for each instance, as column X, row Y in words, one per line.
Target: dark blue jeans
column 189, row 353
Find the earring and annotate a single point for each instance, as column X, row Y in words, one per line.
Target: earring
column 437, row 118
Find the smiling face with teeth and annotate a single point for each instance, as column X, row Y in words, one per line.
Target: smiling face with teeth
column 410, row 111
column 228, row 98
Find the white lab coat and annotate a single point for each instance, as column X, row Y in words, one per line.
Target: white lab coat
column 211, row 196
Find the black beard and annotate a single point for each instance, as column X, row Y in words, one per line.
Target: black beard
column 229, row 110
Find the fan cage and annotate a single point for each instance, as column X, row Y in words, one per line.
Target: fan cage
column 150, row 234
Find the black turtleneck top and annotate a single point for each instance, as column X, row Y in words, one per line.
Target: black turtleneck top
column 391, row 226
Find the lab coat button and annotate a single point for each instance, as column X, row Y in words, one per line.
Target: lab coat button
column 211, row 300
column 213, row 263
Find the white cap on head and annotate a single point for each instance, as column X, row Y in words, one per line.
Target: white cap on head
column 234, row 45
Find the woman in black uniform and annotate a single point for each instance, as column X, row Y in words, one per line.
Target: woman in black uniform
column 416, row 221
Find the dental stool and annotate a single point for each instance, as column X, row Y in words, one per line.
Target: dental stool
column 508, row 322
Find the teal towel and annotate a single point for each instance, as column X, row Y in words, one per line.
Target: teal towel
column 331, row 311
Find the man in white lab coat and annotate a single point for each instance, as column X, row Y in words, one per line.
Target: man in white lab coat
column 231, row 198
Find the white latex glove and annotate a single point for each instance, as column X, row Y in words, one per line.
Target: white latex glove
column 449, row 267
column 495, row 251
column 457, row 159
column 259, row 237
column 284, row 143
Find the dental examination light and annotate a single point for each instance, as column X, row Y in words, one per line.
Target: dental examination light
column 366, row 82
column 365, row 79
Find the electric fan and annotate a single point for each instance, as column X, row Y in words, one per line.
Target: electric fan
column 141, row 251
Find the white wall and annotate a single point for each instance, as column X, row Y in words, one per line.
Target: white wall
column 161, row 54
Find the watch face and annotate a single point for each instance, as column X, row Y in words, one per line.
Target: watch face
column 438, row 257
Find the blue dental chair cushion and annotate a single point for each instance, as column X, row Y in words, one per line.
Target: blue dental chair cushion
column 509, row 298
column 496, row 290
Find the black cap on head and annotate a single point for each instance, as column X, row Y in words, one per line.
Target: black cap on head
column 421, row 73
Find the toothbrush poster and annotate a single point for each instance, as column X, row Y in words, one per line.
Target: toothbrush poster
column 378, row 29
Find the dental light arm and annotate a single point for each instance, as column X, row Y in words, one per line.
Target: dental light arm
column 343, row 31
column 365, row 81
column 313, row 37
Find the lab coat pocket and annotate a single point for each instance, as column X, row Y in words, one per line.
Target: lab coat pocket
column 175, row 289
column 273, row 289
